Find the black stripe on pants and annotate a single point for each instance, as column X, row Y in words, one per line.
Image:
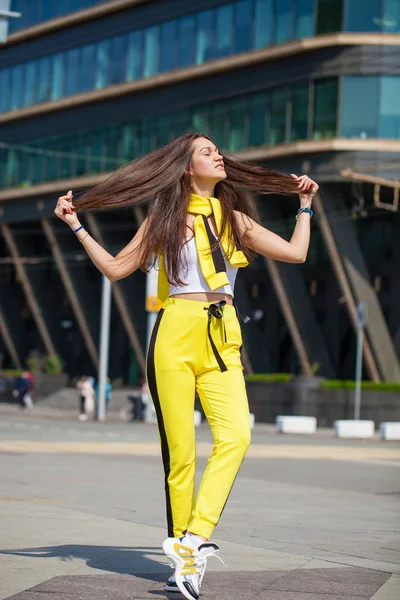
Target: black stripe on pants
column 152, row 383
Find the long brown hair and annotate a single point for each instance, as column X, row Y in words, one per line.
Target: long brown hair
column 161, row 178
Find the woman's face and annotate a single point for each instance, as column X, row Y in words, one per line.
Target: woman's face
column 207, row 163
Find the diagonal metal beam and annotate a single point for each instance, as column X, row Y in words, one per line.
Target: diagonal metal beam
column 120, row 300
column 343, row 282
column 28, row 290
column 8, row 342
column 286, row 308
column 70, row 290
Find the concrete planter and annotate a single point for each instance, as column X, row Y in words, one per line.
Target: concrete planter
column 303, row 397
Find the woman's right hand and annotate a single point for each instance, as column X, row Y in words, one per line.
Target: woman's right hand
column 65, row 210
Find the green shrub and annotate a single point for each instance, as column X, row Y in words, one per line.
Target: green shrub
column 270, row 377
column 349, row 384
column 53, row 365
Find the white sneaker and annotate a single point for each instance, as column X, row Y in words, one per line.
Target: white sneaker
column 171, row 585
column 190, row 566
column 83, row 417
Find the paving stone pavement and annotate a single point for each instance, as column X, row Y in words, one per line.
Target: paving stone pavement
column 309, row 518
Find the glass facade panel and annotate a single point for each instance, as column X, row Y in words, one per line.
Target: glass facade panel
column 277, row 117
column 304, row 18
column 102, row 64
column 223, row 31
column 257, row 119
column 151, row 51
column 391, row 16
column 204, row 45
column 329, row 16
column 299, row 113
column 133, row 65
column 118, row 58
column 360, row 118
column 38, row 11
column 30, row 83
column 72, row 73
column 325, row 109
column 363, row 16
column 389, row 126
column 57, row 76
column 168, row 46
column 243, row 26
column 237, row 125
column 17, row 87
column 44, row 79
column 263, row 21
column 186, row 41
column 283, row 20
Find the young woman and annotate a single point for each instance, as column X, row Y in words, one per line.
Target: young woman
column 199, row 227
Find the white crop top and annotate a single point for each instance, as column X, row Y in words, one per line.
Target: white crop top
column 190, row 273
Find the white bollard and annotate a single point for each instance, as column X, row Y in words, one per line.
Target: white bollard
column 390, row 430
column 354, row 428
column 294, row 424
column 252, row 421
column 197, row 418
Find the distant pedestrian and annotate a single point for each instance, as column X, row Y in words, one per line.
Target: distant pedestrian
column 108, row 394
column 86, row 397
column 24, row 386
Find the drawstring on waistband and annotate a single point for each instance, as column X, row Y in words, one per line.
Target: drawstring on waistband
column 216, row 310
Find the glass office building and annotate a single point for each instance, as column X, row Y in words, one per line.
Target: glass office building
column 297, row 85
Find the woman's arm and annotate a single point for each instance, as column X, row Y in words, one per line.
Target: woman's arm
column 269, row 244
column 113, row 267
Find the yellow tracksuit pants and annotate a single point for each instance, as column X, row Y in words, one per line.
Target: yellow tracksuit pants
column 194, row 348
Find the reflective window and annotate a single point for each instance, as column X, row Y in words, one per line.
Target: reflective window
column 358, row 118
column 204, row 45
column 243, row 26
column 304, row 18
column 168, row 46
column 363, row 16
column 283, row 20
column 257, row 119
column 133, row 66
column 391, row 16
column 277, row 117
column 325, row 109
column 329, row 15
column 150, row 49
column 263, row 21
column 223, row 31
column 390, row 108
column 38, row 11
column 186, row 41
column 102, row 64
column 117, row 59
column 299, row 113
column 58, row 76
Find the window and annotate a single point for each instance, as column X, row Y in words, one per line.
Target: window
column 358, row 118
column 389, row 126
column 30, row 83
column 200, row 118
column 72, row 72
column 217, row 120
column 263, row 20
column 187, row 41
column 283, row 20
column 133, row 65
column 391, row 16
column 168, row 46
column 363, row 16
column 278, row 111
column 237, row 124
column 88, row 55
column 243, row 25
column 44, row 79
column 57, row 77
column 224, row 31
column 17, row 86
column 304, row 18
column 329, row 15
column 204, row 45
column 102, row 64
column 257, row 119
column 325, row 109
column 117, row 59
column 299, row 113
column 151, row 43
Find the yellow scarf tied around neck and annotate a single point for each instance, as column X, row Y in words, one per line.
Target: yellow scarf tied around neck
column 214, row 272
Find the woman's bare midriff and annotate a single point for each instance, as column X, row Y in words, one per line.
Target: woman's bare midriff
column 205, row 297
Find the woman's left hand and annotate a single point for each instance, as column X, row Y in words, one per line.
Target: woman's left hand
column 307, row 189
